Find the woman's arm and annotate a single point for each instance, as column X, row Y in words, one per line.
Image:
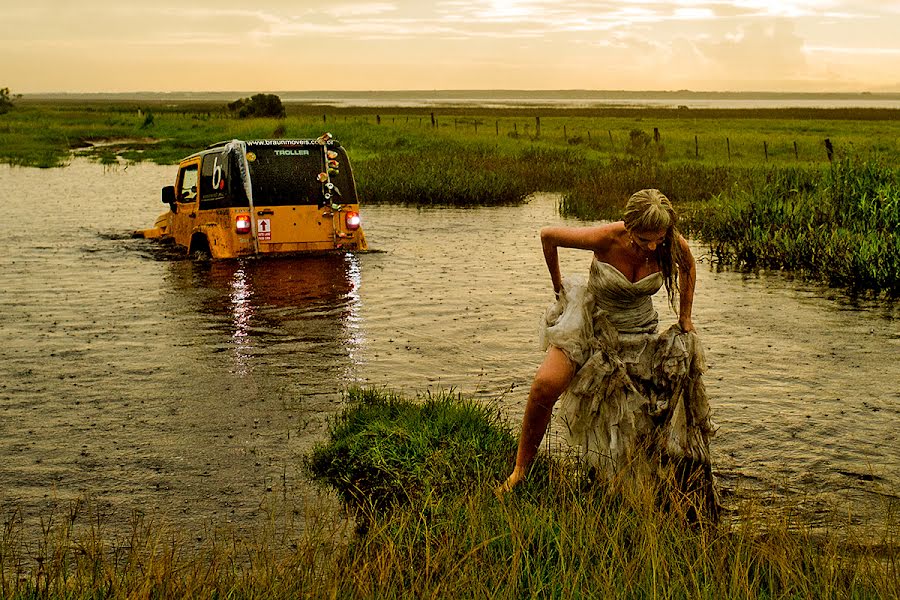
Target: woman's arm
column 687, row 275
column 584, row 238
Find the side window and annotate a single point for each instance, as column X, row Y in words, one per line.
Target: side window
column 214, row 180
column 220, row 182
column 341, row 176
column 187, row 184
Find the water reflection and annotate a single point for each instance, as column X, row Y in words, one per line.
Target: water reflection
column 302, row 309
column 242, row 311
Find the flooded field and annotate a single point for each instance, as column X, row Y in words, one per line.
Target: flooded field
column 143, row 381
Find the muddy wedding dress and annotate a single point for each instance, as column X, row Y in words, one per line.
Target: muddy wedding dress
column 637, row 405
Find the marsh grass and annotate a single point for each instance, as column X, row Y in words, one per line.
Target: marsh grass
column 840, row 225
column 756, row 185
column 417, row 478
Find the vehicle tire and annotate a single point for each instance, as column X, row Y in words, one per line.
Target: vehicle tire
column 199, row 250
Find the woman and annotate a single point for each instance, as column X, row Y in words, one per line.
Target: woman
column 632, row 399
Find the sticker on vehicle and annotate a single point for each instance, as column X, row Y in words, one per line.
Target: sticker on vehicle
column 263, row 229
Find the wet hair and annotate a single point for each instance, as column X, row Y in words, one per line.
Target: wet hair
column 650, row 211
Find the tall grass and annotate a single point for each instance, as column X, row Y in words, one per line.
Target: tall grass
column 419, row 475
column 423, row 476
column 756, row 185
column 841, row 225
column 602, row 193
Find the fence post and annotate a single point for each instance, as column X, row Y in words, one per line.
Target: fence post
column 433, row 123
column 796, row 154
column 537, row 127
column 497, row 126
column 612, row 145
column 728, row 146
column 324, row 118
column 829, row 149
column 696, row 147
column 766, row 150
column 378, row 119
column 656, row 134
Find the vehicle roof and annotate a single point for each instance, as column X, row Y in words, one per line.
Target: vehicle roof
column 262, row 143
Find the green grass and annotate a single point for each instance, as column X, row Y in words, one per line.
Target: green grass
column 423, row 474
column 840, row 225
column 419, row 475
column 386, row 451
column 729, row 171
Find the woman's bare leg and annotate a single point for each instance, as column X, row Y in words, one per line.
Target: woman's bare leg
column 553, row 376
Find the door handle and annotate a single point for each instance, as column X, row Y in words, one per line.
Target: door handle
column 265, row 212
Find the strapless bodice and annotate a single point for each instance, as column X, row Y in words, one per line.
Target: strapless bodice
column 627, row 304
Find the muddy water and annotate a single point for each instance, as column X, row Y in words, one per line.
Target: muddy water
column 145, row 382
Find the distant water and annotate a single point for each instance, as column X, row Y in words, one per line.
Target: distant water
column 587, row 103
column 530, row 98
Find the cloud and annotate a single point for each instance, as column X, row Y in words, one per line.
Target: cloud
column 757, row 51
column 577, row 43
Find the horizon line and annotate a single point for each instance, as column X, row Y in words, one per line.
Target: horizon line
column 458, row 91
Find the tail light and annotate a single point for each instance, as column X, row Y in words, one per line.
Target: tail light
column 352, row 220
column 242, row 223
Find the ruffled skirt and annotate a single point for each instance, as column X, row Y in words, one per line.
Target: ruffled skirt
column 637, row 406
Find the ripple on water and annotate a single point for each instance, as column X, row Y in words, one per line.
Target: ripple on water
column 144, row 380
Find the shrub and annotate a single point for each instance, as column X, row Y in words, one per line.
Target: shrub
column 258, row 105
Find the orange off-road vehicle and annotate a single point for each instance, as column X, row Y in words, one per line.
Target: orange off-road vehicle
column 242, row 198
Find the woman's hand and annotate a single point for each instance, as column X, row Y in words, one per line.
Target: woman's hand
column 686, row 324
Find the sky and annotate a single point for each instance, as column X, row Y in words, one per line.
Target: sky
column 300, row 45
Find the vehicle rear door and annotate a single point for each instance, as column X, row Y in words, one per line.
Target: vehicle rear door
column 288, row 199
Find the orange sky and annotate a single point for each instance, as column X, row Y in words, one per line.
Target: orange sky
column 225, row 45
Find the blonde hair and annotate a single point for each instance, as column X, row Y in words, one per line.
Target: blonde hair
column 649, row 211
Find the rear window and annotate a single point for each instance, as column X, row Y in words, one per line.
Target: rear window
column 288, row 174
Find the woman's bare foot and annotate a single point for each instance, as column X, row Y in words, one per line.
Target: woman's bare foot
column 517, row 475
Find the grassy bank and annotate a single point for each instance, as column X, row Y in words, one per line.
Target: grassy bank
column 841, row 225
column 419, row 478
column 812, row 190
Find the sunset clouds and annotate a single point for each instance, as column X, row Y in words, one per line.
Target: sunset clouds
column 793, row 45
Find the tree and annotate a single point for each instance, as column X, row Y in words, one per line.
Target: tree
column 5, row 101
column 258, row 105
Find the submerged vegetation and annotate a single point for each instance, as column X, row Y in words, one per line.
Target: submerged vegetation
column 418, row 478
column 811, row 190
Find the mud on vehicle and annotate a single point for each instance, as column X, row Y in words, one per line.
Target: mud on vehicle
column 241, row 198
